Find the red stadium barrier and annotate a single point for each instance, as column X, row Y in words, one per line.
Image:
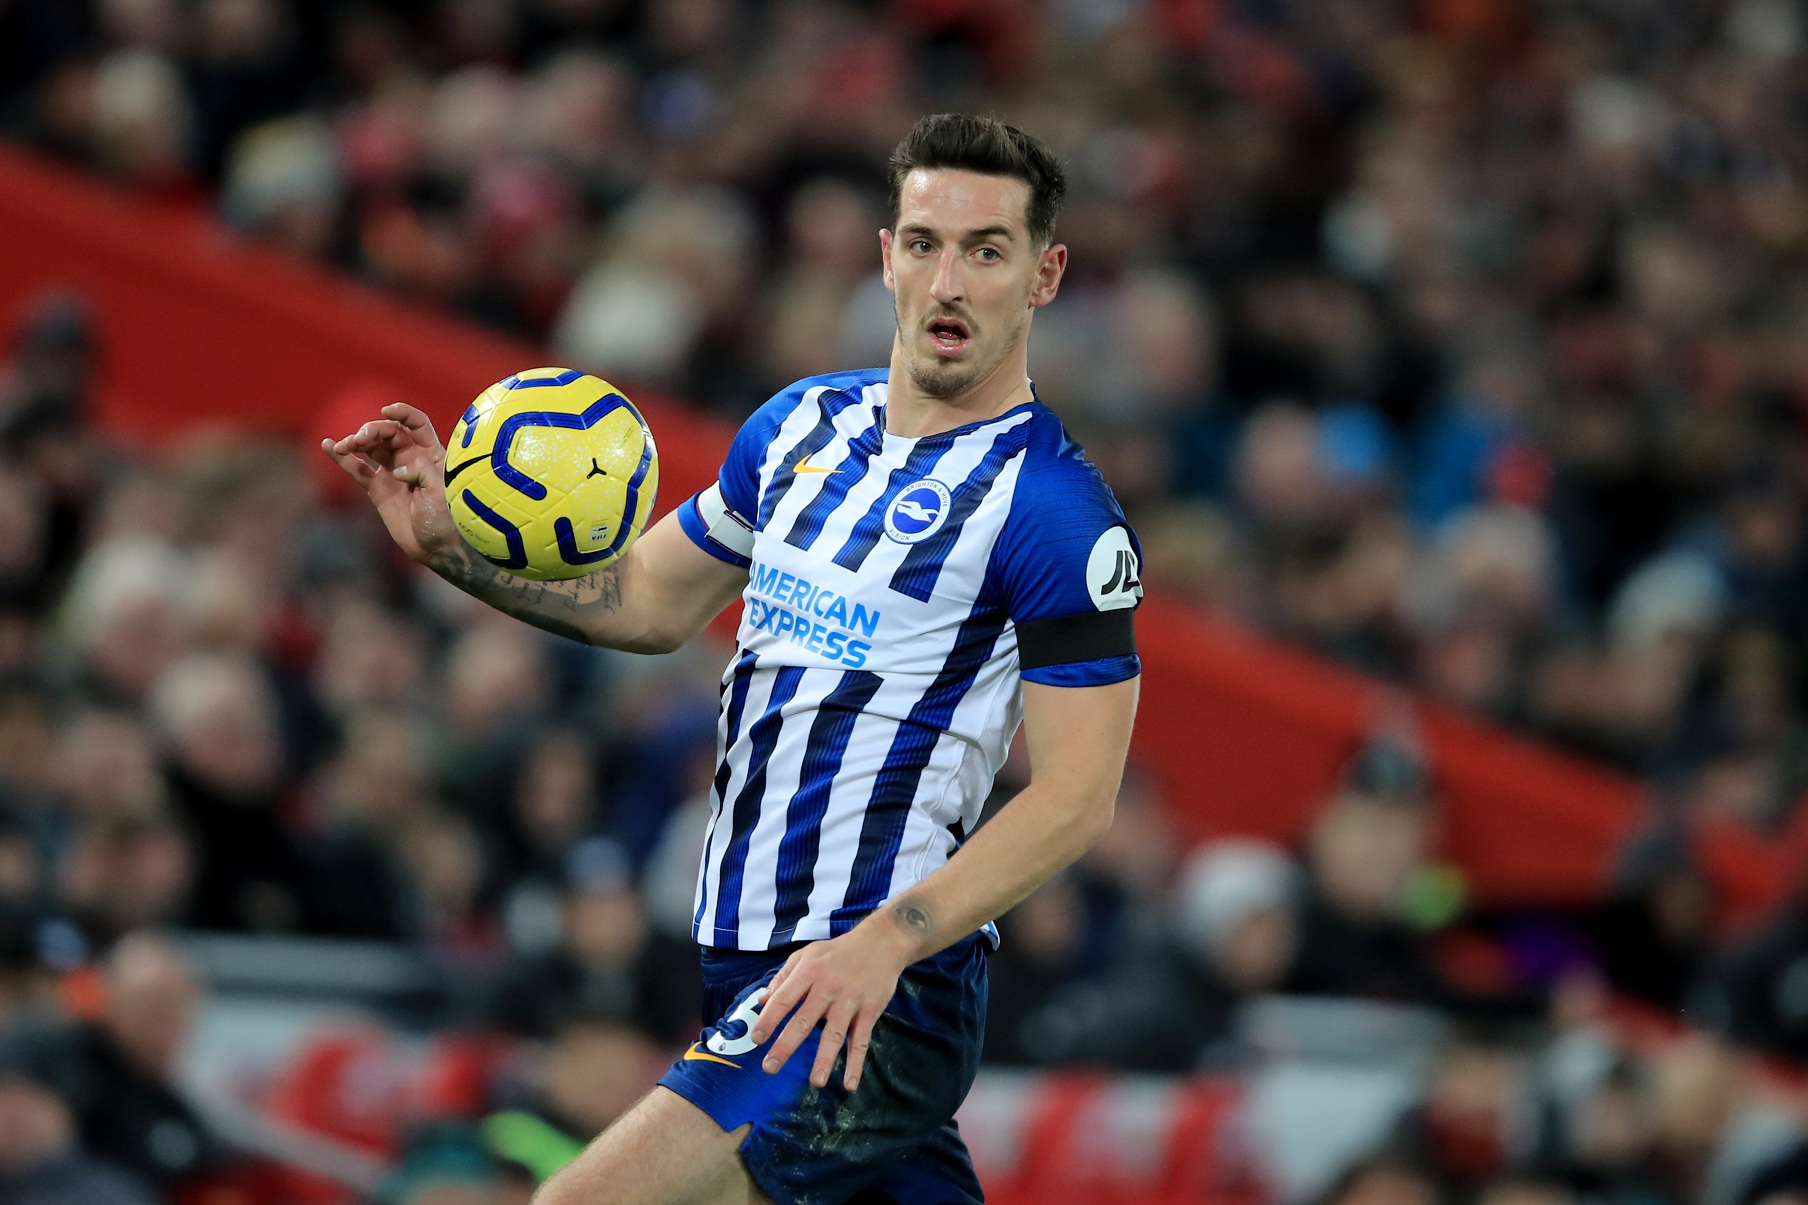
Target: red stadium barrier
column 1072, row 1138
column 200, row 328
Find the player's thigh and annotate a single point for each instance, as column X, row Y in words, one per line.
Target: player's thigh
column 663, row 1151
column 822, row 1146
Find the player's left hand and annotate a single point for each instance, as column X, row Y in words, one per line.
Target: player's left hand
column 843, row 983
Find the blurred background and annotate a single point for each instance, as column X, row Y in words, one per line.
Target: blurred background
column 1450, row 357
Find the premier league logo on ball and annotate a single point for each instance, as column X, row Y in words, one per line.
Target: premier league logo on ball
column 918, row 512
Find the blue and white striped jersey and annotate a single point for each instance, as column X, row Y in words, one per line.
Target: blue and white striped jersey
column 897, row 590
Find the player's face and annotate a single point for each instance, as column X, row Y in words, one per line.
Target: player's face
column 965, row 276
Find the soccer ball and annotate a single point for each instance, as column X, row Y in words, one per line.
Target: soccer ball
column 551, row 473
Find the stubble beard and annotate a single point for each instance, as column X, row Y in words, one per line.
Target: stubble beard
column 943, row 379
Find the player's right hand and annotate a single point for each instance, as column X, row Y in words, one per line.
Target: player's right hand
column 399, row 462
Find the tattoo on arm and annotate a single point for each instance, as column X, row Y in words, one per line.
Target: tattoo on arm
column 913, row 918
column 562, row 608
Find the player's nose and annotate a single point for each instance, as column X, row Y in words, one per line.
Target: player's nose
column 946, row 285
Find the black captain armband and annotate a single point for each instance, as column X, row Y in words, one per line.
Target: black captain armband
column 1090, row 636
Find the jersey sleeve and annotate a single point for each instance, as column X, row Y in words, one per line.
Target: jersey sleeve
column 720, row 520
column 1072, row 570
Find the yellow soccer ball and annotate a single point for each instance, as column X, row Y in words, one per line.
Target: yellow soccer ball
column 551, row 473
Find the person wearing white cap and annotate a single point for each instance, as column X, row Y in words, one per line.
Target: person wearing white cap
column 1235, row 912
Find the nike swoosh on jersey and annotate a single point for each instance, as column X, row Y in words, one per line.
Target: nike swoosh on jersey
column 803, row 466
column 697, row 1053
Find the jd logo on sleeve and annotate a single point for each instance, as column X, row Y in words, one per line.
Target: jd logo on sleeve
column 1112, row 577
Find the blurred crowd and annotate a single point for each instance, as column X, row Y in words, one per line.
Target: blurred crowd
column 226, row 705
column 1462, row 340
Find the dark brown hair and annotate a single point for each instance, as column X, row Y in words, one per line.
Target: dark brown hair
column 990, row 147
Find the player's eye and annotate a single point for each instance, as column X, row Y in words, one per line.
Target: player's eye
column 988, row 254
column 920, row 246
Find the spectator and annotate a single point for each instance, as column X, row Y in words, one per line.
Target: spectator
column 1654, row 931
column 375, row 797
column 106, row 766
column 121, row 617
column 596, row 1066
column 28, row 984
column 1171, row 1005
column 21, row 877
column 121, row 873
column 1745, row 995
column 41, row 1162
column 1600, row 1128
column 443, row 1164
column 554, row 803
column 224, row 762
column 1712, row 1136
column 1125, row 879
column 370, row 657
column 1354, row 938
column 1042, row 948
column 1385, row 1179
column 608, row 959
column 115, row 1075
column 495, row 699
column 445, row 861
column 1466, row 1125
column 45, row 390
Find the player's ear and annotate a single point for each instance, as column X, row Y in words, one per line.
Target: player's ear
column 1050, row 267
column 885, row 259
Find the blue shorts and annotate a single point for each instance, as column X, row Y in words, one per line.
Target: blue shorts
column 891, row 1140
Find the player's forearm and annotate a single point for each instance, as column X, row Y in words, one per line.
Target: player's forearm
column 1033, row 838
column 591, row 609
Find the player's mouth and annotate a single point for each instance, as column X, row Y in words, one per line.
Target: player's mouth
column 949, row 336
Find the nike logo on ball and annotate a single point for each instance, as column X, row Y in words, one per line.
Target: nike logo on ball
column 456, row 469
